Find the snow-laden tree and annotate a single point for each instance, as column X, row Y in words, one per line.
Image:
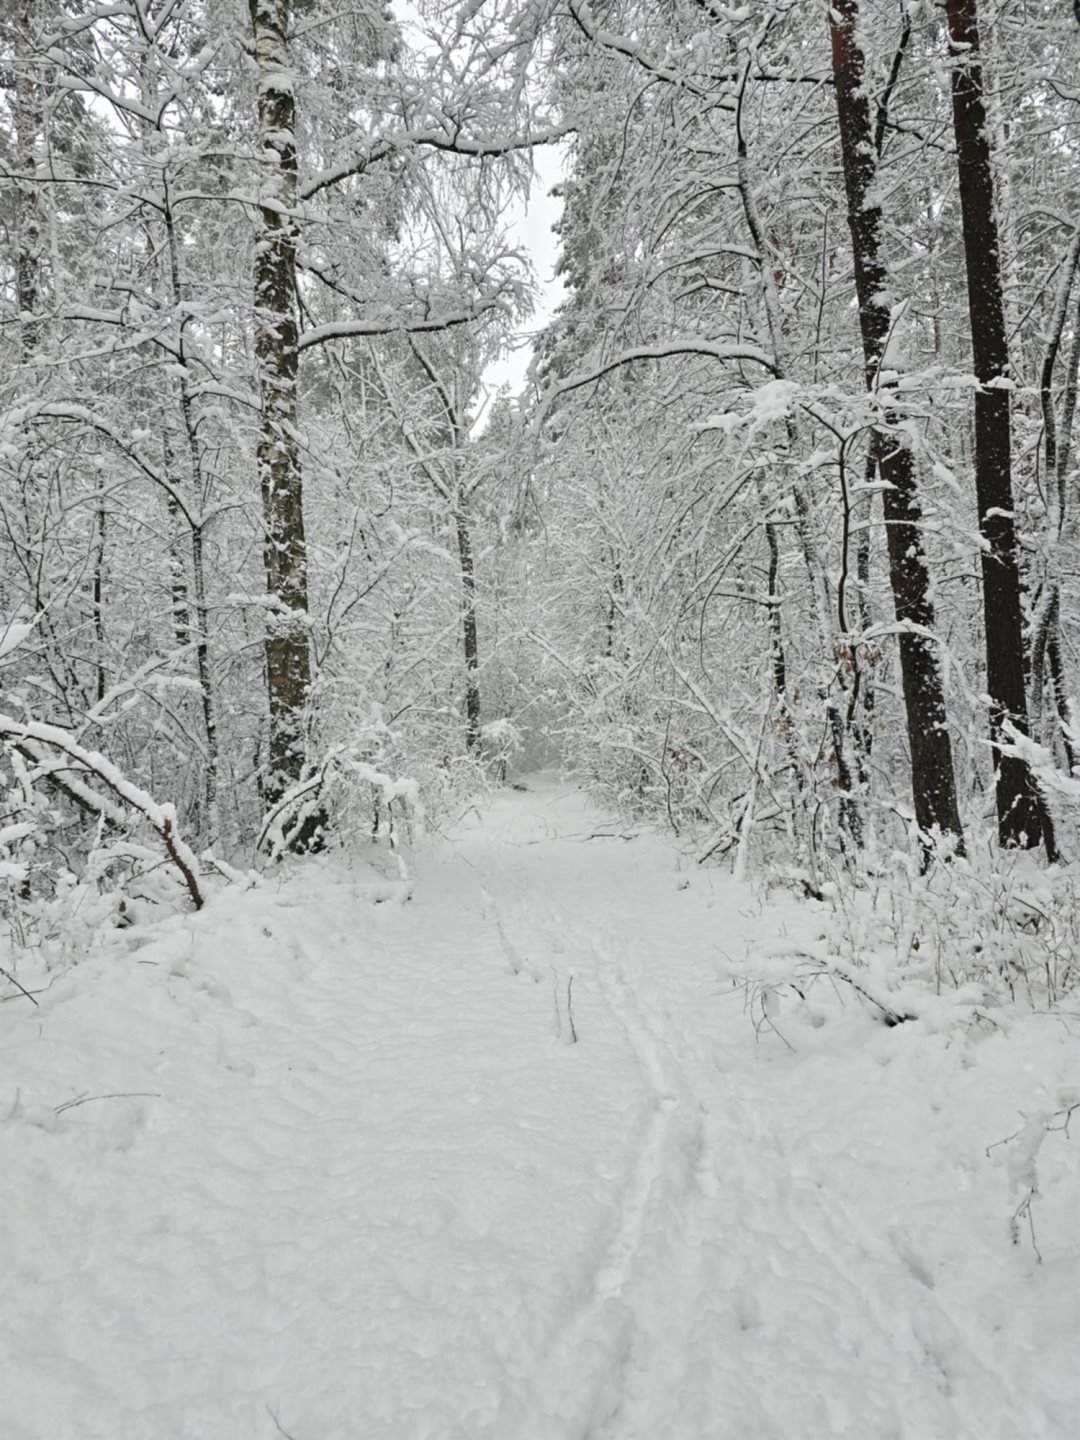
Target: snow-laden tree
column 783, row 180
column 239, row 199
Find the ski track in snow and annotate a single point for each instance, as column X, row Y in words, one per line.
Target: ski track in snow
column 715, row 1213
column 360, row 1185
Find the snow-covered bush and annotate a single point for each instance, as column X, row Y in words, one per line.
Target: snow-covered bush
column 951, row 945
column 83, row 851
column 352, row 795
column 999, row 919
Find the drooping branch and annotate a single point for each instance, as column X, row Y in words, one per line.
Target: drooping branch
column 665, row 350
column 160, row 818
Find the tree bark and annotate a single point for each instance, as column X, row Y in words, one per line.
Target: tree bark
column 1020, row 810
column 470, row 641
column 28, row 126
column 933, row 779
column 288, row 657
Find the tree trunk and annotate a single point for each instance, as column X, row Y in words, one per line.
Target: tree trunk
column 868, row 697
column 850, row 819
column 470, row 641
column 1019, row 808
column 28, row 126
column 98, row 592
column 197, row 522
column 455, row 492
column 932, row 776
column 1045, row 648
column 288, row 657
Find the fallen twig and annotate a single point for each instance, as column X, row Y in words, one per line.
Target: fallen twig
column 21, row 988
column 113, row 1095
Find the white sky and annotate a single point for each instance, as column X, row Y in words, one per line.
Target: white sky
column 531, row 229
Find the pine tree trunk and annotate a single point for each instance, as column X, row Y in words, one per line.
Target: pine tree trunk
column 932, row 775
column 1019, row 809
column 288, row 658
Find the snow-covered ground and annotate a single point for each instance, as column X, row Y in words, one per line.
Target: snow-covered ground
column 512, row 1162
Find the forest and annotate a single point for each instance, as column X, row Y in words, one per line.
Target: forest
column 539, row 910
column 776, row 545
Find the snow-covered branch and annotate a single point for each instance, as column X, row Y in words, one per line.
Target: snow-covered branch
column 160, row 818
column 708, row 349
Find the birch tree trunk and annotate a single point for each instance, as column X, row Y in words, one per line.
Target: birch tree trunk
column 288, row 657
column 1020, row 811
column 933, row 779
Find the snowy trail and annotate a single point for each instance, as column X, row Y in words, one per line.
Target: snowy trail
column 732, row 1261
column 340, row 1171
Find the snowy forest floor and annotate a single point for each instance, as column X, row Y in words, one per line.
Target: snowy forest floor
column 512, row 1162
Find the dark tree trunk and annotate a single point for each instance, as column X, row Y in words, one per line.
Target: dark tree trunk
column 932, row 775
column 1056, row 665
column 28, row 126
column 98, row 593
column 776, row 629
column 288, row 658
column 470, row 641
column 1046, row 659
column 865, row 735
column 1019, row 808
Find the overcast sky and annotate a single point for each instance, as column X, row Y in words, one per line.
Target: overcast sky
column 531, row 228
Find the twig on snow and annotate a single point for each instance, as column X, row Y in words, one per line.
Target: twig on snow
column 113, row 1095
column 843, row 972
column 1024, row 1212
column 278, row 1425
column 21, row 988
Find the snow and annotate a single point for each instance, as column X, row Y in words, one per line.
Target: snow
column 12, row 635
column 304, row 1163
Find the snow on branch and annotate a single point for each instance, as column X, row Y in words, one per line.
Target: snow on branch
column 452, row 141
column 352, row 329
column 710, row 349
column 160, row 818
column 1040, row 761
column 298, row 801
column 81, row 414
column 633, row 50
column 284, row 821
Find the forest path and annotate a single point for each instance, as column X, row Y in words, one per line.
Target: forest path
column 509, row 1162
column 739, row 1290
